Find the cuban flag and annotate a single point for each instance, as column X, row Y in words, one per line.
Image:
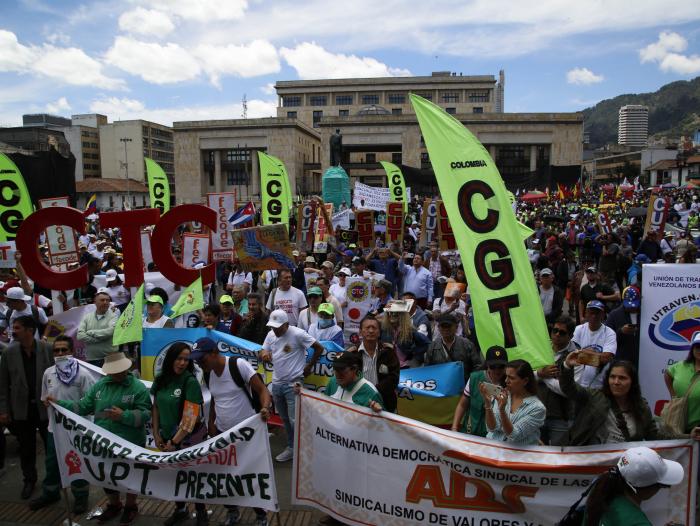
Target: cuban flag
column 243, row 215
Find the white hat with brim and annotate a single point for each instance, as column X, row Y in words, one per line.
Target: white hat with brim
column 116, row 363
column 642, row 467
column 17, row 293
column 277, row 319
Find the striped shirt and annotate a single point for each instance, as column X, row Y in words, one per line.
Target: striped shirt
column 527, row 421
column 369, row 364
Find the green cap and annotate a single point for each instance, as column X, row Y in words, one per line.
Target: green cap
column 154, row 299
column 326, row 308
column 315, row 291
column 226, row 299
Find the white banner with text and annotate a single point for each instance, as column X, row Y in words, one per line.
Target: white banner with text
column 383, row 469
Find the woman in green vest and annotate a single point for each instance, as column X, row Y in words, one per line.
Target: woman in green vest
column 472, row 401
column 617, row 495
column 176, row 415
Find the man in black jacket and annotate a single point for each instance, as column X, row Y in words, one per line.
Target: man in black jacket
column 624, row 320
column 254, row 325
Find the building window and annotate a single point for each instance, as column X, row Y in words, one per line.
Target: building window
column 424, row 157
column 478, row 109
column 370, row 158
column 239, row 155
column 238, row 175
column 396, row 98
column 144, row 130
column 396, row 157
column 427, row 95
column 450, row 96
column 291, row 101
column 291, row 114
column 317, row 100
column 343, row 113
column 343, row 100
column 211, row 178
column 479, row 96
column 370, row 99
column 111, row 201
column 317, row 117
column 396, row 111
column 451, row 111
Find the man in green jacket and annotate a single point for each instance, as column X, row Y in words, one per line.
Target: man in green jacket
column 121, row 404
column 347, row 383
column 97, row 328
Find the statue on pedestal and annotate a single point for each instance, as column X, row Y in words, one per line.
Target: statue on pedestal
column 336, row 144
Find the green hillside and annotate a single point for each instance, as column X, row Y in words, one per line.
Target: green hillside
column 674, row 110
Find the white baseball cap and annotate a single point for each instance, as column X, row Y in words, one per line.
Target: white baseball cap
column 277, row 319
column 642, row 467
column 695, row 340
column 346, row 271
column 17, row 293
column 111, row 275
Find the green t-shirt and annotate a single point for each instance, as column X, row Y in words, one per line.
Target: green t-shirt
column 477, row 414
column 171, row 398
column 683, row 374
column 623, row 512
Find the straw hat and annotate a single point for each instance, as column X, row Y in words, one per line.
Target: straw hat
column 116, row 363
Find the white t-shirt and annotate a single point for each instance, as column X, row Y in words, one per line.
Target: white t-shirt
column 43, row 319
column 440, row 305
column 338, row 292
column 231, row 403
column 119, row 294
column 338, row 310
column 288, row 354
column 290, row 301
column 307, row 318
column 239, row 278
column 602, row 340
column 547, row 300
column 158, row 324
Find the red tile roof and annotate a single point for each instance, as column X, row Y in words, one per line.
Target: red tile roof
column 97, row 185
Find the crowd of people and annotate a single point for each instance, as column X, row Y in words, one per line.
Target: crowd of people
column 590, row 290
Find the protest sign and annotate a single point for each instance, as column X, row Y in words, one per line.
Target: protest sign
column 373, row 198
column 390, row 470
column 66, row 323
column 507, row 309
column 657, row 213
column 341, row 219
column 669, row 318
column 306, row 216
column 274, row 190
column 394, row 223
column 263, row 247
column 61, row 241
column 323, row 231
column 430, row 394
column 158, row 186
column 396, row 183
column 191, row 299
column 146, row 249
column 15, row 202
column 429, row 223
column 604, row 226
column 346, row 237
column 224, row 204
column 364, row 223
column 7, row 254
column 359, row 298
column 445, row 235
column 234, row 467
column 195, row 249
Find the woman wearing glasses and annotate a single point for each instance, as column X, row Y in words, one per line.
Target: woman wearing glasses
column 471, row 403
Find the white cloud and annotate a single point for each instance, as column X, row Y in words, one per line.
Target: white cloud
column 311, row 61
column 202, row 10
column 666, row 51
column 268, row 89
column 582, row 76
column 125, row 108
column 248, row 60
column 69, row 65
column 58, row 106
column 155, row 63
column 146, row 22
column 58, row 37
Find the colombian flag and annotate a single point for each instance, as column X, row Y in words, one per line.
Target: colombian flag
column 91, row 205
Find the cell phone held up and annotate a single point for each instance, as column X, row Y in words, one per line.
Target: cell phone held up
column 492, row 390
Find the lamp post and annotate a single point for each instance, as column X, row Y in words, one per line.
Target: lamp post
column 126, row 140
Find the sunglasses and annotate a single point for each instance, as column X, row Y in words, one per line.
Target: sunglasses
column 559, row 331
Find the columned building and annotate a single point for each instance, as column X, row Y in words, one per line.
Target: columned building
column 221, row 156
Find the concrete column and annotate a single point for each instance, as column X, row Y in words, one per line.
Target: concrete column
column 217, row 170
column 254, row 185
column 492, row 152
column 533, row 158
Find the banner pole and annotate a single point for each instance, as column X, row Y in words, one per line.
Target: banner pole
column 68, row 521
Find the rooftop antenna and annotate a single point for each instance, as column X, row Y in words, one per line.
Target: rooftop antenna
column 245, row 107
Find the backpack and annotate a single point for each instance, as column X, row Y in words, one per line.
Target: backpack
column 35, row 315
column 253, row 397
column 574, row 517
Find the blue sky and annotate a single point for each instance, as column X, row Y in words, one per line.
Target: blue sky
column 171, row 60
